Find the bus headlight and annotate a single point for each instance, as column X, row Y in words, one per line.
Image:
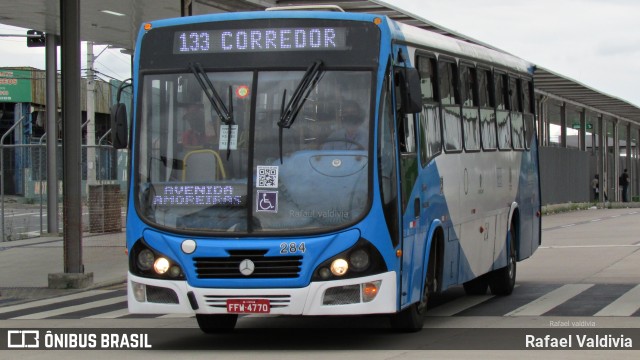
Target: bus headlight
column 359, row 259
column 161, row 265
column 339, row 267
column 175, row 271
column 325, row 273
column 147, row 262
column 145, row 259
column 362, row 259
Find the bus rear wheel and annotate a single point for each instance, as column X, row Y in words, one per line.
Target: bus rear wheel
column 503, row 280
column 212, row 324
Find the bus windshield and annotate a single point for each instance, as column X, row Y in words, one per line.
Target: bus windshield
column 246, row 173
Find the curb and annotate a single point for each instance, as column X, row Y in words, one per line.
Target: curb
column 561, row 208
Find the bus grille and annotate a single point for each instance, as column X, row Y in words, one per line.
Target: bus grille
column 161, row 295
column 265, row 266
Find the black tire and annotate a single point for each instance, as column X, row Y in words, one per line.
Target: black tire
column 215, row 324
column 503, row 280
column 477, row 286
column 411, row 319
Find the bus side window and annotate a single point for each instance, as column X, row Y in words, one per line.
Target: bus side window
column 486, row 102
column 450, row 99
column 502, row 111
column 406, row 134
column 517, row 121
column 514, row 101
column 468, row 87
column 430, row 134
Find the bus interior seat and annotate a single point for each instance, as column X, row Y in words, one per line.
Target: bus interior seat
column 202, row 165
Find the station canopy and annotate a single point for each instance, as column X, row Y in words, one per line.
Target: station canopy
column 116, row 23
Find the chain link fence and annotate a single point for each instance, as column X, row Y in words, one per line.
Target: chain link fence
column 23, row 174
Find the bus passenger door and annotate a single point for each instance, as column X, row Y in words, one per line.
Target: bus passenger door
column 402, row 143
column 412, row 247
column 408, row 96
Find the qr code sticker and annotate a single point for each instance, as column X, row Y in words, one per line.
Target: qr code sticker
column 268, row 176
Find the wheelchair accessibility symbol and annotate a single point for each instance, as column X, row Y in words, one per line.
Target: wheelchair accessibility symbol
column 267, row 201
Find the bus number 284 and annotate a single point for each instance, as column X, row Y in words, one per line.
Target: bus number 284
column 292, row 248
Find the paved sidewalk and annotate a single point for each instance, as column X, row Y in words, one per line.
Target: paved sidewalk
column 27, row 263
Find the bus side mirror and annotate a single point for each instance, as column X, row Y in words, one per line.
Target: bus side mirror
column 408, row 95
column 119, row 128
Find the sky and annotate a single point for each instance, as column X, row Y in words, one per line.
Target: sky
column 595, row 42
column 111, row 63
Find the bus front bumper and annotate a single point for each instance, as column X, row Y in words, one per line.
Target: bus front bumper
column 374, row 294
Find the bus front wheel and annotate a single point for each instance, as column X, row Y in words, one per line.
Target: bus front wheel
column 411, row 319
column 212, row 324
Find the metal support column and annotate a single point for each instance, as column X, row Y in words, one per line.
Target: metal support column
column 71, row 136
column 616, row 160
column 542, row 121
column 52, row 133
column 627, row 159
column 602, row 156
column 595, row 139
column 563, row 125
column 582, row 142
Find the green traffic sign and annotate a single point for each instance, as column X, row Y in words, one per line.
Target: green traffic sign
column 577, row 126
column 15, row 85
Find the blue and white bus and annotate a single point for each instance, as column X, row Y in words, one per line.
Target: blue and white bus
column 348, row 164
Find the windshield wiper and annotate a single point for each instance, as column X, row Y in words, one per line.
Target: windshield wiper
column 225, row 115
column 216, row 102
column 289, row 112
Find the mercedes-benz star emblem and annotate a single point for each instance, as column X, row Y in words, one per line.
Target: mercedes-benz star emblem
column 247, row 267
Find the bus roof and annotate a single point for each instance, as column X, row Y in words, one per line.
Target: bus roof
column 447, row 45
column 399, row 31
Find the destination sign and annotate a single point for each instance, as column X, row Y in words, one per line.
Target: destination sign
column 260, row 40
column 199, row 195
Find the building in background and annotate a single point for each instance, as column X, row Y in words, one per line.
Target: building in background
column 23, row 128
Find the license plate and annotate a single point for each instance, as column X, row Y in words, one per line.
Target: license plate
column 248, row 306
